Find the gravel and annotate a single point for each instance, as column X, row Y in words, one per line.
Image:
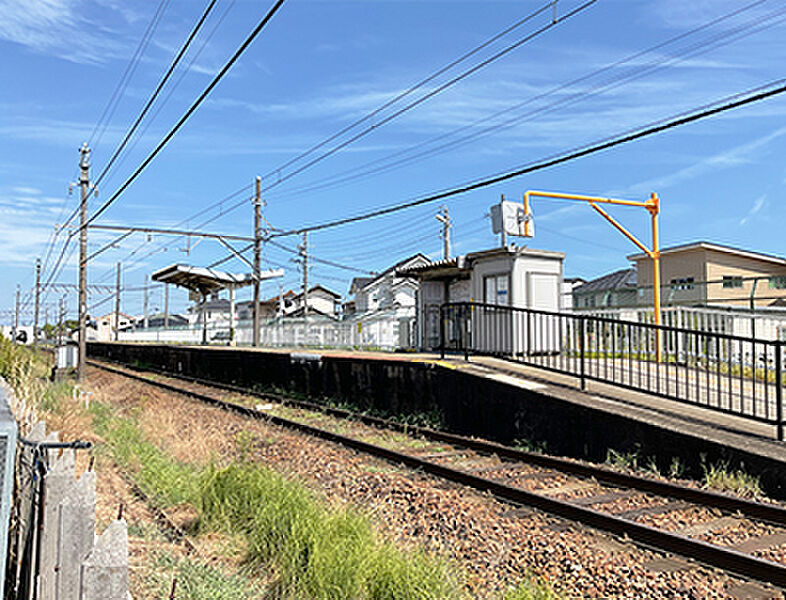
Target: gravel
column 494, row 549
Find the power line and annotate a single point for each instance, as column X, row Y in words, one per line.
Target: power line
column 432, row 93
column 190, row 111
column 129, row 70
column 752, row 96
column 155, row 93
column 721, row 39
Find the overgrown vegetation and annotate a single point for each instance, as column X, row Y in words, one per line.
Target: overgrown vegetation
column 27, row 372
column 532, row 588
column 721, row 478
column 197, row 580
column 315, row 550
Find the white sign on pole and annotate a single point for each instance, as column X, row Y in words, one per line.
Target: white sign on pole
column 509, row 216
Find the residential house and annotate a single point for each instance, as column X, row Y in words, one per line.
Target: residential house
column 616, row 289
column 705, row 273
column 321, row 301
column 109, row 323
column 269, row 308
column 387, row 290
column 568, row 285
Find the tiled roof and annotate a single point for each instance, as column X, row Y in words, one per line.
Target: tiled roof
column 623, row 279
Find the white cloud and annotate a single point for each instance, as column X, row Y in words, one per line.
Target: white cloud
column 739, row 155
column 758, row 204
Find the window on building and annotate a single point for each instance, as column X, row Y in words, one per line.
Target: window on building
column 684, row 283
column 496, row 289
column 732, row 281
column 778, row 282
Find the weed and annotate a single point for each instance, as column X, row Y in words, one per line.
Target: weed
column 719, row 477
column 623, row 460
column 197, row 580
column 531, row 589
column 528, row 445
column 676, row 468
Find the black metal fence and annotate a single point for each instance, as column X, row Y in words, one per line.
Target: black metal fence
column 732, row 374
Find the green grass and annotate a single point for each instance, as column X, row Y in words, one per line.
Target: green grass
column 531, row 589
column 721, row 478
column 313, row 549
column 197, row 580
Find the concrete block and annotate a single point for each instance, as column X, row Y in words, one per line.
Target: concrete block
column 105, row 571
column 76, row 536
column 59, row 483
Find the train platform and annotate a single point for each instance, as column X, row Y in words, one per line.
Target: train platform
column 723, row 428
column 497, row 399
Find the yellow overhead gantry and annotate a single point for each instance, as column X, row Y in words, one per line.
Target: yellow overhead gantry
column 653, row 207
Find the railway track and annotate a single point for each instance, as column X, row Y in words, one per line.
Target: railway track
column 737, row 535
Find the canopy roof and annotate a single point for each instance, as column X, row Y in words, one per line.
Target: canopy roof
column 206, row 281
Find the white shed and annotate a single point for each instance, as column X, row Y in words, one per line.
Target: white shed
column 510, row 276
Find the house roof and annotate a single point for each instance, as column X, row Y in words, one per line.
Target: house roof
column 704, row 245
column 623, row 279
column 110, row 315
column 358, row 283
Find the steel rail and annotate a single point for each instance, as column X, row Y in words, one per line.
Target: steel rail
column 709, row 554
column 772, row 513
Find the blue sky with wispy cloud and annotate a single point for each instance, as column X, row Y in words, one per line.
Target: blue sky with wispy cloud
column 322, row 64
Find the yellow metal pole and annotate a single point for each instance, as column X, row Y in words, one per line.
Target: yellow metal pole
column 654, row 208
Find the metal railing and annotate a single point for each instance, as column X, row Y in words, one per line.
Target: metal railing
column 739, row 375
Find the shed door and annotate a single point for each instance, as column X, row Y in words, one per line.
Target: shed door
column 543, row 291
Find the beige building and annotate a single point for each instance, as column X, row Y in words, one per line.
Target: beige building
column 106, row 325
column 712, row 274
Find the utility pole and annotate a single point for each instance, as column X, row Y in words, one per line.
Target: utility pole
column 84, row 182
column 37, row 301
column 46, row 316
column 60, row 316
column 502, row 229
column 117, row 304
column 166, row 306
column 444, row 218
column 257, row 256
column 147, row 320
column 304, row 254
column 16, row 317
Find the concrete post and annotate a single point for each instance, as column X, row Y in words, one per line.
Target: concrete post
column 105, row 571
column 59, row 484
column 76, row 536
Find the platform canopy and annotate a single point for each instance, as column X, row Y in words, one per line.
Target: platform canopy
column 207, row 281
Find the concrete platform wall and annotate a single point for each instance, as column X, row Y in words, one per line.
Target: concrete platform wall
column 469, row 404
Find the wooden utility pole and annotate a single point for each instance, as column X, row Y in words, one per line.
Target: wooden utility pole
column 84, row 182
column 37, row 301
column 444, row 218
column 304, row 254
column 117, row 304
column 257, row 256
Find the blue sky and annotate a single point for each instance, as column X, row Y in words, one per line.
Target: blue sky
column 320, row 65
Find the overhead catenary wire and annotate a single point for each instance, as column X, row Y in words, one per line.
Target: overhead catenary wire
column 191, row 109
column 157, row 91
column 431, row 93
column 750, row 96
column 392, row 161
column 723, row 37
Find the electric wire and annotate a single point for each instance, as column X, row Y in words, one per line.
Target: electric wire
column 158, row 89
column 191, row 110
column 726, row 104
column 388, row 163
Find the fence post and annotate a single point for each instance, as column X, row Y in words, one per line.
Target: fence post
column 75, row 535
column 105, row 571
column 442, row 331
column 779, row 388
column 582, row 334
column 465, row 336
